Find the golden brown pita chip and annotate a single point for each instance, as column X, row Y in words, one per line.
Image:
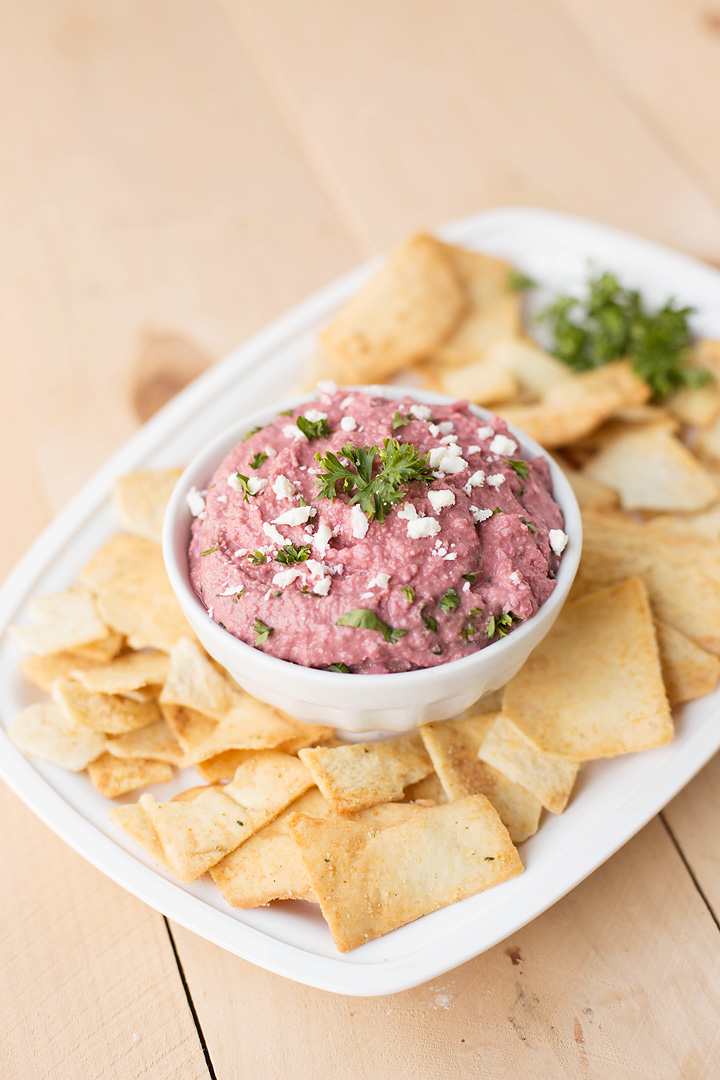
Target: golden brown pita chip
column 689, row 671
column 401, row 315
column 493, row 308
column 704, row 526
column 141, row 498
column 593, row 688
column 480, row 382
column 108, row 713
column 142, row 605
column 700, row 406
column 429, row 789
column 550, row 778
column 156, row 741
column 44, row 670
column 536, row 371
column 652, row 470
column 672, row 572
column 370, row 880
column 222, row 766
column 134, row 822
column 65, row 621
column 43, row 732
column 114, row 776
column 249, row 725
column 361, row 774
column 268, row 781
column 590, row 493
column 187, row 725
column 194, row 682
column 126, row 673
column 196, row 835
column 579, row 404
column 118, row 557
column 105, row 649
column 453, row 746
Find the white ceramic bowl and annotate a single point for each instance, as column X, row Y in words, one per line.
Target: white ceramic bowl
column 361, row 703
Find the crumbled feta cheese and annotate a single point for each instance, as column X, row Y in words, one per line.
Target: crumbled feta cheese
column 297, row 516
column 195, row 501
column 322, row 587
column 359, row 522
column 222, row 498
column 317, row 569
column 231, row 590
column 438, row 499
column 447, row 439
column 446, row 427
column 322, row 538
column 210, row 611
column 367, row 596
column 327, row 386
column 348, row 401
column 451, row 555
column 313, row 415
column 233, row 482
column 380, row 581
column 423, row 527
column 420, row 412
column 434, row 430
column 408, row 512
column 558, row 540
column 286, row 577
column 501, row 444
column 256, row 484
column 496, row 480
column 476, row 480
column 486, row 432
column 291, row 431
column 480, row 515
column 273, row 534
column 283, row 488
column 239, row 553
column 466, row 587
column 474, row 450
column 270, row 451
column 348, row 423
column 447, row 459
column 442, row 552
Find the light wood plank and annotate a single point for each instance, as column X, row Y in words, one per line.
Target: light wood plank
column 89, row 986
column 417, row 112
column 617, row 980
column 146, row 181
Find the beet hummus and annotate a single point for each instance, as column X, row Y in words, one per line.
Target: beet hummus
column 368, row 535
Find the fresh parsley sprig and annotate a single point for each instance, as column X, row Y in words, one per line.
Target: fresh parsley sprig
column 289, row 554
column 400, row 465
column 263, row 632
column 258, row 459
column 364, row 619
column 613, row 322
column 314, row 429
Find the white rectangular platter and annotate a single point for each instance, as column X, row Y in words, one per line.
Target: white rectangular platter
column 614, row 798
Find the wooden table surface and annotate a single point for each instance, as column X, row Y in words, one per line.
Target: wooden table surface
column 174, row 173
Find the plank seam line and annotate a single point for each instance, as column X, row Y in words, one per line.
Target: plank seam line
column 690, row 871
column 311, row 153
column 191, row 1006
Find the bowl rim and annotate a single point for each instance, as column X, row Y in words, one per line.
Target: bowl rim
column 269, row 667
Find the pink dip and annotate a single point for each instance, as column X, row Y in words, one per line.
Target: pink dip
column 492, row 550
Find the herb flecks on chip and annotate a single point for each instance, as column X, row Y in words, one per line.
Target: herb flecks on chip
column 314, row 429
column 289, row 554
column 400, row 465
column 364, row 619
column 262, row 630
column 612, row 323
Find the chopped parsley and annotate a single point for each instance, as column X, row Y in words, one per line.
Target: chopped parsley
column 438, row 650
column 521, row 468
column 363, row 619
column 489, row 858
column 253, row 431
column 497, row 510
column 237, row 597
column 476, row 611
column 501, row 624
column 612, row 323
column 429, row 621
column 289, row 554
column 258, row 459
column 286, row 412
column 400, row 421
column 400, row 465
column 468, row 631
column 243, row 482
column 519, row 282
column 529, row 524
column 257, row 558
column 408, row 593
column 470, row 577
column 209, row 551
column 313, row 429
column 450, row 600
column 262, row 630
column 343, row 668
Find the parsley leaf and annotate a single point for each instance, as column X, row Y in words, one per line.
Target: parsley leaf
column 470, row 577
column 253, row 431
column 529, row 524
column 339, row 667
column 519, row 282
column 313, row 429
column 258, row 459
column 400, row 421
column 450, row 600
column 521, row 468
column 263, row 632
column 429, row 621
column 209, row 551
column 468, row 631
column 409, row 593
column 364, row 619
column 256, row 558
column 289, row 554
column 501, row 624
column 613, row 322
column 400, row 465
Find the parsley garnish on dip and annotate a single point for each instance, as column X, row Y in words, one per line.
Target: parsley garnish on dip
column 369, row 535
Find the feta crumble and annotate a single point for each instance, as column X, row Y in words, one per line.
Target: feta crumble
column 322, row 587
column 422, row 527
column 446, row 426
column 439, row 499
column 273, row 534
column 348, row 423
column 313, row 415
column 420, row 412
column 380, row 581
column 476, row 480
column 292, row 431
column 480, row 515
column 408, row 512
column 286, row 577
column 485, row 432
column 283, row 488
column 195, row 501
column 501, row 444
column 558, row 540
column 297, row 516
column 496, row 480
column 359, row 522
column 322, row 538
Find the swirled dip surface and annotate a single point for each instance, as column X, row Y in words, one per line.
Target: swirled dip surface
column 463, row 559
